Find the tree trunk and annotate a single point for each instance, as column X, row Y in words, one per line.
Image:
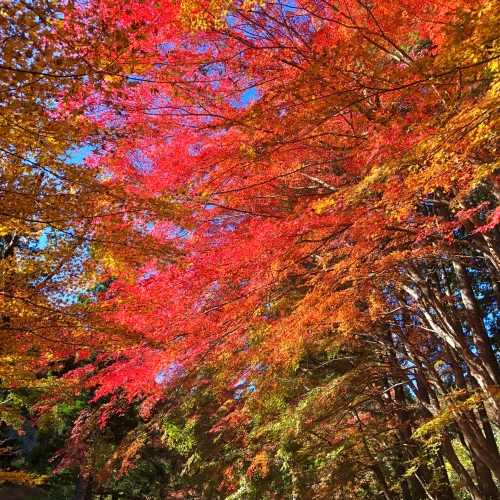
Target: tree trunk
column 79, row 487
column 88, row 489
column 484, row 350
column 445, row 491
column 451, row 456
column 381, row 480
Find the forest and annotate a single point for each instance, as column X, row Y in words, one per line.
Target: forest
column 249, row 249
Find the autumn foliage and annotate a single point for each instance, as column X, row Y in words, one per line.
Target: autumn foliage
column 278, row 264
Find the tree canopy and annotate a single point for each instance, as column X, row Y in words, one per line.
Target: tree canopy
column 275, row 270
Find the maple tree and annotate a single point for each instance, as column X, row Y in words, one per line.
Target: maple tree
column 329, row 324
column 353, row 196
column 56, row 211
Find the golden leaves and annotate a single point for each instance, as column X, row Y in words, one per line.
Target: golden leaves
column 20, row 477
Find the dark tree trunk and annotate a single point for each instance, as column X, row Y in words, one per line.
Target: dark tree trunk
column 79, row 488
column 451, row 456
column 88, row 489
column 445, row 491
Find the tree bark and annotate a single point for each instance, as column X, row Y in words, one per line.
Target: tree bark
column 79, row 487
column 484, row 350
column 451, row 456
column 88, row 489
